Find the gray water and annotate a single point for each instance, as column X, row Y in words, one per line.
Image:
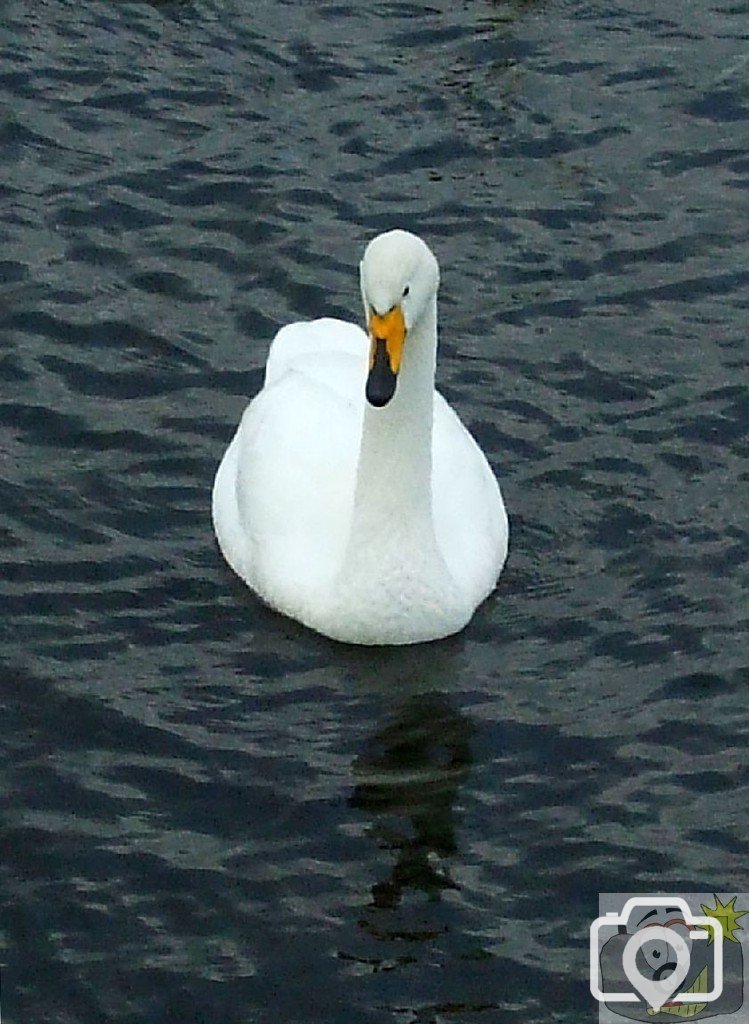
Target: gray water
column 210, row 813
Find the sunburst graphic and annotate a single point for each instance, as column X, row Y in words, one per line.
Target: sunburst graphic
column 728, row 916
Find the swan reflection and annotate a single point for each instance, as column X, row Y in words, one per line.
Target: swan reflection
column 406, row 781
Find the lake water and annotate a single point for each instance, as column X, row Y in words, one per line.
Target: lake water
column 211, row 814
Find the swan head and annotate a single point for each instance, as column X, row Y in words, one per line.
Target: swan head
column 399, row 280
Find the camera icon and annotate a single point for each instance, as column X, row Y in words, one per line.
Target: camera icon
column 655, row 945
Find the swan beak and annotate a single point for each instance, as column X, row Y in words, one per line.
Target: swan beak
column 387, row 334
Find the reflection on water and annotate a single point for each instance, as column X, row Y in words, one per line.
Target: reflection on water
column 407, row 781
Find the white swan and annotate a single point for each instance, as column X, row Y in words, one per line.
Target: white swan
column 352, row 498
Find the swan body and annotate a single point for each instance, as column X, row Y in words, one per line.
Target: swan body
column 351, row 497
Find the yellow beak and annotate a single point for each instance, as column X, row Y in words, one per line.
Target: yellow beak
column 390, row 329
column 386, row 336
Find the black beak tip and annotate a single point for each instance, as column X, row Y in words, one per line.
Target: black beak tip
column 381, row 380
column 380, row 390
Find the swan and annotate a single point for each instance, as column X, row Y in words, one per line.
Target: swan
column 351, row 497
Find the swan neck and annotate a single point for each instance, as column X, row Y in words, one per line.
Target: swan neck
column 395, row 460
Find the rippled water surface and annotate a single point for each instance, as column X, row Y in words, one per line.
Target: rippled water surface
column 212, row 814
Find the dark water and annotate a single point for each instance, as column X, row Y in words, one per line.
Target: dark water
column 212, row 814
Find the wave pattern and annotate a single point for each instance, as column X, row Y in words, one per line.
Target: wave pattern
column 212, row 814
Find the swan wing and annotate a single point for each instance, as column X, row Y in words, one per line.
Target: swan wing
column 469, row 515
column 283, row 496
column 321, row 349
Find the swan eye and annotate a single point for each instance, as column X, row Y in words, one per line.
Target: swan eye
column 406, row 290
